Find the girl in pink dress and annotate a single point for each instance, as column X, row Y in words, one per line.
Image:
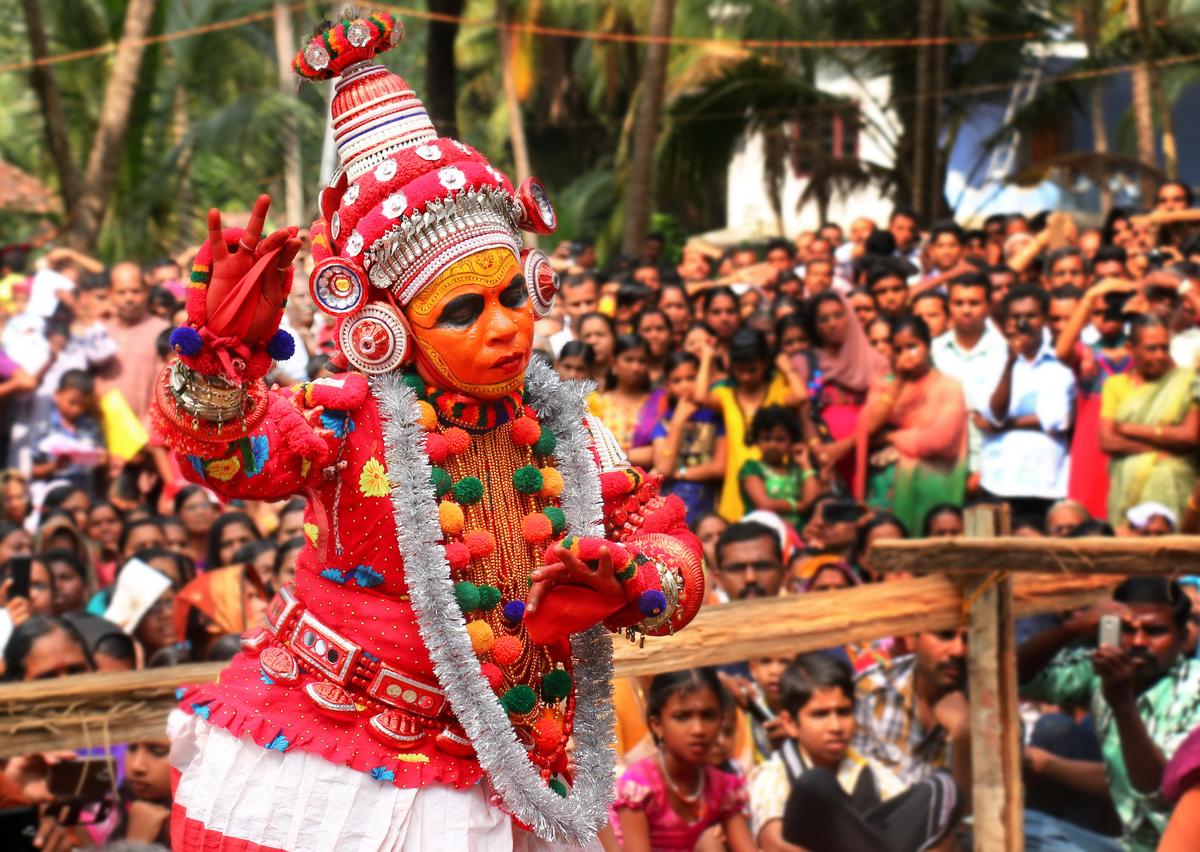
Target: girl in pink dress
column 666, row 801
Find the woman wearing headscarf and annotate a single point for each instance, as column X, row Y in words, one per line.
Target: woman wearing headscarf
column 217, row 603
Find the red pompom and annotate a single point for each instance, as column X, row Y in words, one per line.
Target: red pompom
column 525, row 431
column 492, row 674
column 614, row 484
column 457, row 555
column 507, row 650
column 547, row 734
column 480, row 543
column 457, row 440
column 536, row 528
column 436, row 447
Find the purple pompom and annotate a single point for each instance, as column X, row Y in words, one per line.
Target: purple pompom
column 514, row 611
column 652, row 602
column 186, row 341
column 282, row 346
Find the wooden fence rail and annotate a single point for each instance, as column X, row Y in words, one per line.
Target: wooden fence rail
column 89, row 710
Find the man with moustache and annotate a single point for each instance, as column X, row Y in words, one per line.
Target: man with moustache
column 911, row 713
column 1142, row 694
column 749, row 562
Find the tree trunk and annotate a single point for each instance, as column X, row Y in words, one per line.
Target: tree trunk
column 1143, row 110
column 101, row 171
column 1089, row 26
column 41, row 77
column 516, row 124
column 441, row 69
column 639, row 186
column 930, row 79
column 293, row 176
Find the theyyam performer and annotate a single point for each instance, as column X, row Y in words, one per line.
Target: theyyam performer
column 439, row 675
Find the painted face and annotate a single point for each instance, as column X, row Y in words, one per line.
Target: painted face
column 473, row 327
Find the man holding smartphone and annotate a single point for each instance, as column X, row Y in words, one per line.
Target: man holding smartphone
column 1141, row 691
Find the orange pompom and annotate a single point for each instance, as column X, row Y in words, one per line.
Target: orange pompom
column 525, row 431
column 450, row 516
column 536, row 528
column 547, row 733
column 457, row 440
column 552, row 482
column 427, row 417
column 507, row 650
column 482, row 637
column 481, row 543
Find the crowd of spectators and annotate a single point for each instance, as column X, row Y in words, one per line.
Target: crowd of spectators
column 805, row 398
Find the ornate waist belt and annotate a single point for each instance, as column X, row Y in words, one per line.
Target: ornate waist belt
column 349, row 678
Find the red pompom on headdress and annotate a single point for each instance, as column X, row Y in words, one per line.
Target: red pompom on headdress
column 335, row 47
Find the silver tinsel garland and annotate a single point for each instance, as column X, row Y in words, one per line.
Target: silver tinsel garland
column 560, row 407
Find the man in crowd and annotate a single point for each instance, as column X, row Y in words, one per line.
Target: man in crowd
column 135, row 332
column 1026, row 423
column 1141, row 690
column 749, row 562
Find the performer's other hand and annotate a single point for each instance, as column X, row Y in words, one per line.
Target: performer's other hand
column 250, row 311
column 570, row 570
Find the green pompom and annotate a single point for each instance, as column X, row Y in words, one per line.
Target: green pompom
column 440, row 480
column 546, row 443
column 558, row 521
column 518, row 699
column 467, row 595
column 416, row 383
column 628, row 572
column 489, row 596
column 527, row 479
column 556, row 685
column 558, row 787
column 468, row 490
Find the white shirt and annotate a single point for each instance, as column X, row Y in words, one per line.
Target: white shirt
column 978, row 370
column 1026, row 462
column 44, row 290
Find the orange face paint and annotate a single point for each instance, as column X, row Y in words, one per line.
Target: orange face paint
column 473, row 327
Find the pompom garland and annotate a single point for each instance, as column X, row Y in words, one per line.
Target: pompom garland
column 415, row 383
column 527, row 479
column 492, row 674
column 556, row 685
column 525, row 431
column 450, row 516
column 506, row 650
column 489, row 596
column 441, row 481
column 437, row 448
column 468, row 490
column 547, row 733
column 536, row 528
column 652, row 602
column 518, row 699
column 546, row 443
column 281, row 346
column 514, row 611
column 482, row 637
column 457, row 556
column 428, row 416
column 552, row 483
column 558, row 521
column 186, row 341
column 467, row 595
column 457, row 440
column 481, row 543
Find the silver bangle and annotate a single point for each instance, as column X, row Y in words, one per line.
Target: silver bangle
column 210, row 398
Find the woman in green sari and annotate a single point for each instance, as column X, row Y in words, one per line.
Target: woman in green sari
column 914, row 431
column 1150, row 426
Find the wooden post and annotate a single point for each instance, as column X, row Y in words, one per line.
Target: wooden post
column 992, row 674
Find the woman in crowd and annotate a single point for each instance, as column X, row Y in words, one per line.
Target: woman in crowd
column 72, row 586
column 882, row 525
column 688, row 440
column 628, row 388
column 103, row 531
column 260, row 557
column 720, row 312
column 599, row 332
column 576, row 361
column 284, row 569
column 218, row 603
column 198, row 512
column 44, row 647
column 944, row 521
column 665, row 802
column 791, row 336
column 846, row 365
column 138, row 535
column 913, row 429
column 14, row 541
column 73, row 499
column 674, row 302
column 229, row 532
column 751, row 384
column 879, row 335
column 144, row 796
column 175, row 534
column 1150, row 426
column 654, row 327
column 14, row 489
column 1093, row 364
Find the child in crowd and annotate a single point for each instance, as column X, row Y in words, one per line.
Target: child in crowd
column 688, row 440
column 783, row 481
column 818, row 794
column 69, row 444
column 766, row 727
column 666, row 801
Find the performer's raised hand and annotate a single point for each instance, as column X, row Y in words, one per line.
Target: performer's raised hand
column 570, row 570
column 249, row 284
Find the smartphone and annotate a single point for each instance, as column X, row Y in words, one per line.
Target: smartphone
column 18, row 571
column 88, row 778
column 18, row 828
column 1110, row 631
column 841, row 512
